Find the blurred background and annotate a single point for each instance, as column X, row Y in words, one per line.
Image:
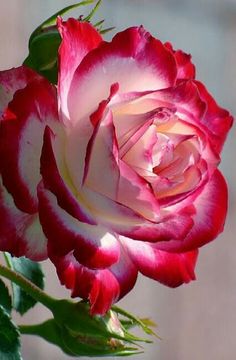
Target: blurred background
column 196, row 321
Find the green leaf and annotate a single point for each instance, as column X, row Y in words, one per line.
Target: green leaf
column 22, row 302
column 9, row 338
column 5, row 298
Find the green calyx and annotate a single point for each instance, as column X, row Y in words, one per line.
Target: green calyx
column 78, row 333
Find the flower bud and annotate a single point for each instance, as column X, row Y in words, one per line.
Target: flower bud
column 78, row 333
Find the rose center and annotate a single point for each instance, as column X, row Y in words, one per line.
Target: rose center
column 162, row 149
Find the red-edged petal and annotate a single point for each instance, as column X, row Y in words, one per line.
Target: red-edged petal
column 21, row 137
column 99, row 286
column 210, row 211
column 78, row 38
column 123, row 276
column 134, row 58
column 101, row 172
column 94, row 246
column 20, row 233
column 131, row 127
column 135, row 193
column 123, row 184
column 216, row 119
column 13, row 80
column 54, row 182
column 175, row 226
column 185, row 98
column 168, row 268
column 127, row 222
column 185, row 68
column 140, row 154
column 102, row 287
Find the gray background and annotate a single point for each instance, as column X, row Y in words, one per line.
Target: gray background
column 197, row 321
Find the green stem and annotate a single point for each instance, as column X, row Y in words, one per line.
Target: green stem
column 31, row 289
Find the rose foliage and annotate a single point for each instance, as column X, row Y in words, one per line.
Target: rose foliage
column 114, row 170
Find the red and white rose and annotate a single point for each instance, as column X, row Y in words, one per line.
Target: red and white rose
column 114, row 171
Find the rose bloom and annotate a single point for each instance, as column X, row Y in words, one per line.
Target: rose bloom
column 114, row 171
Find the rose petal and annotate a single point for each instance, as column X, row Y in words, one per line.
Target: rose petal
column 53, row 181
column 13, row 80
column 78, row 38
column 21, row 141
column 102, row 159
column 101, row 287
column 168, row 268
column 94, row 246
column 139, row 157
column 218, row 121
column 20, row 233
column 210, row 204
column 185, row 68
column 176, row 225
column 134, row 58
column 185, row 98
column 135, row 193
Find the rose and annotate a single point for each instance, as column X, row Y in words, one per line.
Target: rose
column 123, row 178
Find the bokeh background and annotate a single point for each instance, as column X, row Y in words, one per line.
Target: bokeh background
column 196, row 321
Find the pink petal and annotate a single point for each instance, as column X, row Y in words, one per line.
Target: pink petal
column 54, row 182
column 134, row 59
column 20, row 233
column 102, row 287
column 171, row 226
column 97, row 116
column 21, row 141
column 131, row 127
column 111, row 213
column 185, row 98
column 13, row 80
column 185, row 68
column 168, row 268
column 99, row 286
column 78, row 153
column 78, row 38
column 210, row 204
column 216, row 119
column 123, row 274
column 135, row 193
column 94, row 246
column 174, row 191
column 101, row 162
column 122, row 185
column 139, row 157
